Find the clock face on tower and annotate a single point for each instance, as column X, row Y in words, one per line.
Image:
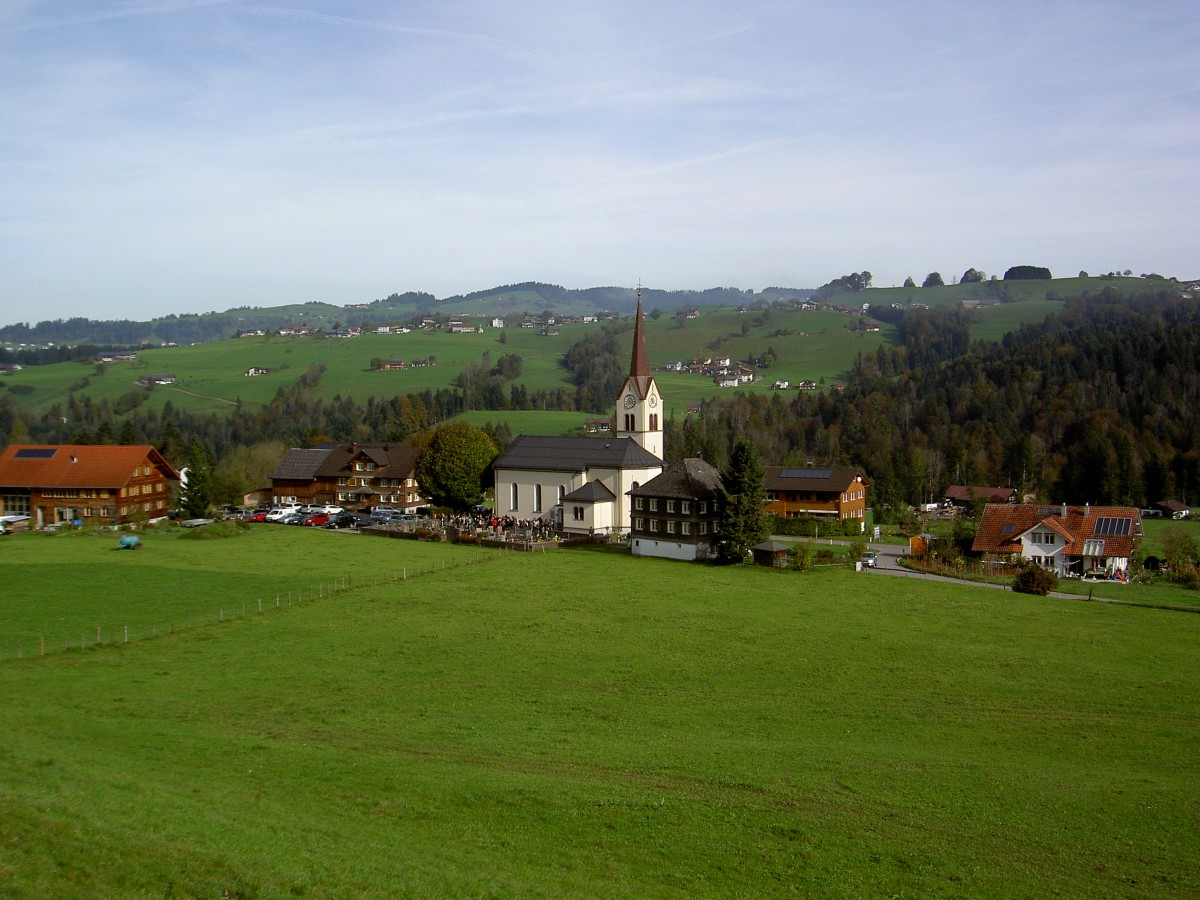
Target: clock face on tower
column 629, row 401
column 653, row 401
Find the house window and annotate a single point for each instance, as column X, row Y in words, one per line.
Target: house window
column 1037, row 538
column 670, row 506
column 703, row 507
column 512, row 498
column 562, row 492
column 685, row 527
column 577, row 513
column 654, row 421
column 637, row 502
column 537, row 498
column 704, row 528
column 638, row 524
column 685, row 506
column 653, row 504
column 654, row 524
column 670, row 526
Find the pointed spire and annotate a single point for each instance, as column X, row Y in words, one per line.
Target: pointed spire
column 639, row 365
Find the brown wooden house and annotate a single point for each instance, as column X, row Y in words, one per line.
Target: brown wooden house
column 833, row 493
column 64, row 483
column 675, row 513
column 350, row 475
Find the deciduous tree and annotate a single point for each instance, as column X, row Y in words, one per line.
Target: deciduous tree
column 454, row 466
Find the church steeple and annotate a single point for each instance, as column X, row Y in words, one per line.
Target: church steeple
column 639, row 365
column 639, row 413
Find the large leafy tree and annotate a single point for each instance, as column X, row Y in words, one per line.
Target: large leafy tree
column 454, row 466
column 742, row 521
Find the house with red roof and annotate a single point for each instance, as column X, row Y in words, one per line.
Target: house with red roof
column 1067, row 540
column 65, row 483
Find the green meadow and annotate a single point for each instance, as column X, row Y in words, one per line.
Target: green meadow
column 816, row 345
column 581, row 723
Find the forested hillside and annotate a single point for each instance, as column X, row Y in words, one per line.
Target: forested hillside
column 1099, row 404
column 1096, row 403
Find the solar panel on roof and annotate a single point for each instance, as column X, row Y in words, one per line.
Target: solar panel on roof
column 1110, row 526
column 35, row 453
column 805, row 473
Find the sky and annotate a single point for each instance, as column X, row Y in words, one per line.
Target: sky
column 174, row 156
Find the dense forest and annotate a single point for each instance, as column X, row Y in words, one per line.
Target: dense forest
column 1100, row 403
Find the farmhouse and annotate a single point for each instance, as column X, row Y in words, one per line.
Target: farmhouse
column 962, row 495
column 158, row 378
column 675, row 514
column 540, row 477
column 835, row 493
column 1067, row 540
column 349, row 474
column 54, row 484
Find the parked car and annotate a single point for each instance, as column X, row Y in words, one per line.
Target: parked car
column 343, row 520
column 869, row 558
column 293, row 518
column 316, row 521
column 258, row 516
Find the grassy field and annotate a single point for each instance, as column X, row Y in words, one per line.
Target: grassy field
column 582, row 723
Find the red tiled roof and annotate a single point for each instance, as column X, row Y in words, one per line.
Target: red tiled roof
column 77, row 465
column 1003, row 524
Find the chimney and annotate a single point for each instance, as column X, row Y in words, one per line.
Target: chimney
column 1064, row 510
column 74, row 459
column 1087, row 510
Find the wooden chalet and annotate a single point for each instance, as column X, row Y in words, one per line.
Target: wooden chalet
column 58, row 484
column 832, row 493
column 675, row 513
column 351, row 475
column 963, row 495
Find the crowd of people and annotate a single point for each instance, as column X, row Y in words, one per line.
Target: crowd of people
column 489, row 525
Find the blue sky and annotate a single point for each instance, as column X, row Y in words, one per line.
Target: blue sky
column 162, row 156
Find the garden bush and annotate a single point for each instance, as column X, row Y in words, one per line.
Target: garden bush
column 1034, row 580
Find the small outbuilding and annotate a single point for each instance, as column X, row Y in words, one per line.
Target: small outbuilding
column 771, row 553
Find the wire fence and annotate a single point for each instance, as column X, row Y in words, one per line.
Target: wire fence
column 31, row 645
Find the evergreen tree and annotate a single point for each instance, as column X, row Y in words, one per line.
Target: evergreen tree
column 742, row 521
column 197, row 493
column 128, row 433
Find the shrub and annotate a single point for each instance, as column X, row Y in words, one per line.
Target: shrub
column 216, row 531
column 1034, row 580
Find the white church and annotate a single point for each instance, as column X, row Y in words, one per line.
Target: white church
column 582, row 484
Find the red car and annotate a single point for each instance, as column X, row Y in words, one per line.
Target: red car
column 260, row 516
column 317, row 520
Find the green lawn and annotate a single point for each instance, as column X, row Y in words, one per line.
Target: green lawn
column 585, row 724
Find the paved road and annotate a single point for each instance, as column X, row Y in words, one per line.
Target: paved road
column 887, row 562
